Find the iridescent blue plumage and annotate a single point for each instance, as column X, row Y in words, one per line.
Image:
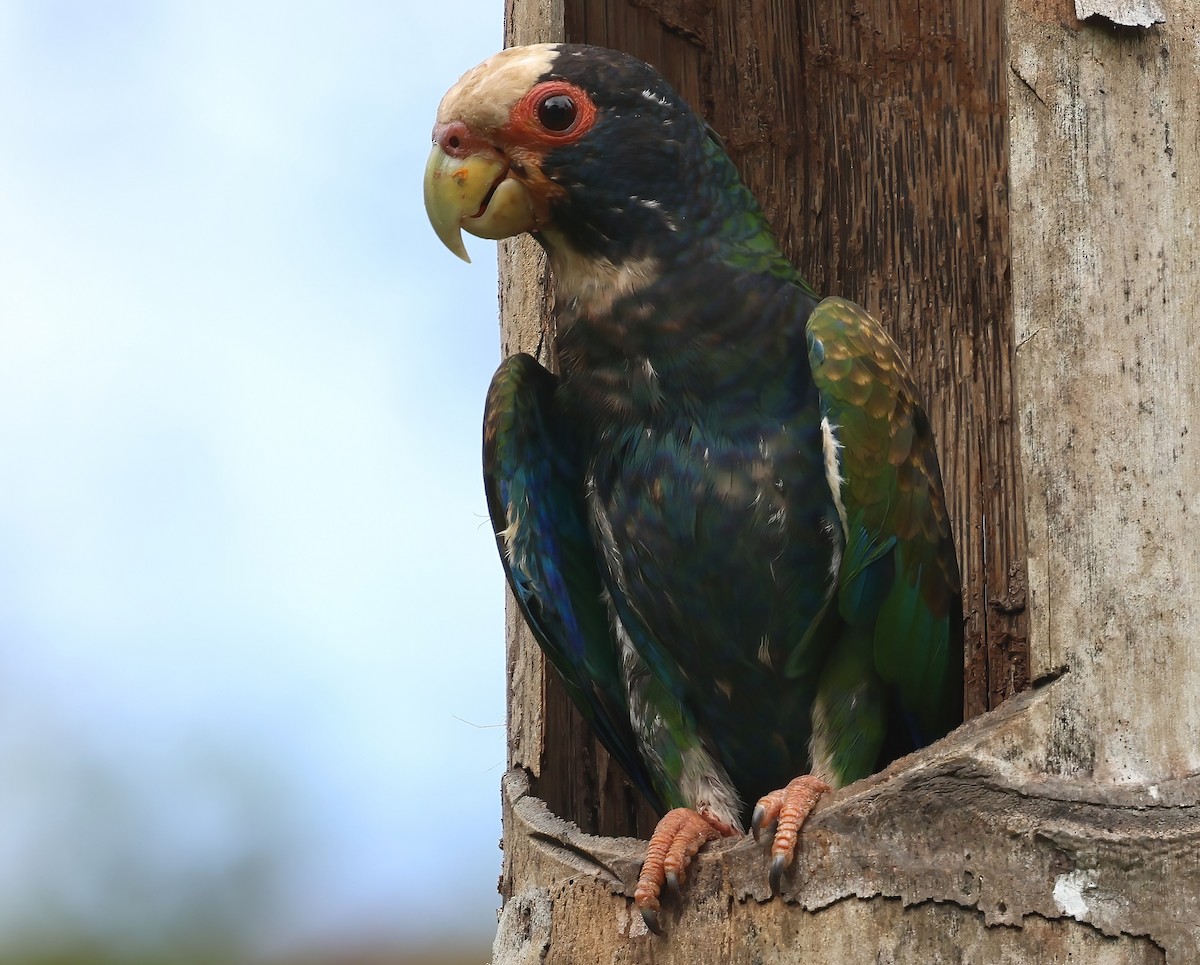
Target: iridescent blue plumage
column 534, row 481
column 723, row 516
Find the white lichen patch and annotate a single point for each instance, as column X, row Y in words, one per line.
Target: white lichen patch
column 1069, row 891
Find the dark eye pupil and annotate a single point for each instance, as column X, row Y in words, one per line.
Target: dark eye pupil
column 557, row 112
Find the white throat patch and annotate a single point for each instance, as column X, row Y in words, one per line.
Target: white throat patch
column 591, row 285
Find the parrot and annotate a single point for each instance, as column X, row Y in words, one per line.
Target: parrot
column 721, row 513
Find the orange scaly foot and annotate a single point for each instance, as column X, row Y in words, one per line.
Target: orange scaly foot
column 787, row 808
column 676, row 839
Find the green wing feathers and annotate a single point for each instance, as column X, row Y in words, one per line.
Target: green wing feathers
column 898, row 576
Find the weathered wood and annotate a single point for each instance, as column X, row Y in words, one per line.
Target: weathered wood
column 1115, row 869
column 1065, row 825
column 1124, row 13
column 1106, row 277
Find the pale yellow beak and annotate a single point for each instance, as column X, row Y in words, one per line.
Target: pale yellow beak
column 474, row 192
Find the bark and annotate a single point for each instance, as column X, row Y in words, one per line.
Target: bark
column 1014, row 192
column 951, row 854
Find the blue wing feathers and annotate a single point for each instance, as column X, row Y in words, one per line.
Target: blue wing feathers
column 534, row 483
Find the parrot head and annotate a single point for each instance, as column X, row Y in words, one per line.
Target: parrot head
column 588, row 149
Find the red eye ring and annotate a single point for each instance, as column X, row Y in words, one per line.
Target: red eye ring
column 539, row 114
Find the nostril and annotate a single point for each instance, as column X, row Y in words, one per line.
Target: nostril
column 455, row 138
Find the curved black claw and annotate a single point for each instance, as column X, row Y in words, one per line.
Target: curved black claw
column 671, row 885
column 756, row 820
column 779, row 865
column 650, row 917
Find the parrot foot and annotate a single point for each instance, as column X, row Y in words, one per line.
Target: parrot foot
column 786, row 809
column 679, row 835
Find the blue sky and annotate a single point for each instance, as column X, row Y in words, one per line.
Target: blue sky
column 246, row 584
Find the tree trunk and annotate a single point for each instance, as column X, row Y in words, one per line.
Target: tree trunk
column 879, row 136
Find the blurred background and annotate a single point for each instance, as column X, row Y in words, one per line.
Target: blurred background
column 251, row 657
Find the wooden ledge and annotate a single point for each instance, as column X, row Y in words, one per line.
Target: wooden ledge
column 962, row 831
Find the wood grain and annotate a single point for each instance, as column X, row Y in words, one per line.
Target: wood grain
column 1106, row 278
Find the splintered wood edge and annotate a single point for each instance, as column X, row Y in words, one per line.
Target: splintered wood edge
column 963, row 821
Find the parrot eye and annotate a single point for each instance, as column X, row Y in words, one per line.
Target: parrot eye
column 557, row 112
column 553, row 113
